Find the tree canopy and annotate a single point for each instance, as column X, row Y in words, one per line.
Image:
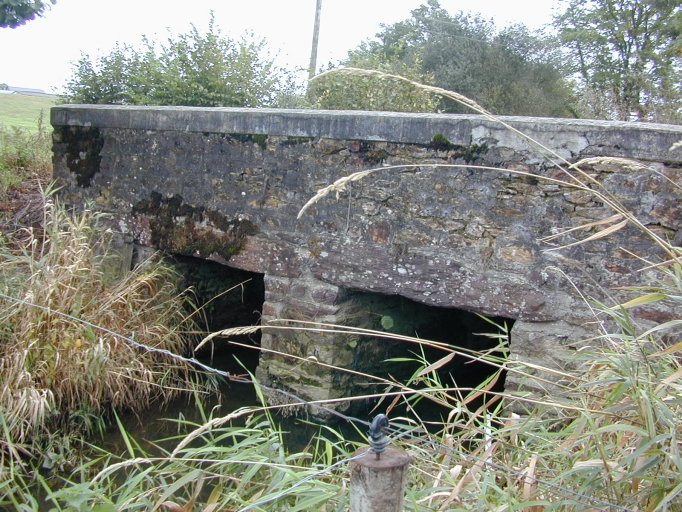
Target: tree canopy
column 209, row 69
column 627, row 55
column 510, row 71
column 354, row 92
column 610, row 59
column 17, row 12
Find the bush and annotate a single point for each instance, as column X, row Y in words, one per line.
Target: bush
column 209, row 70
column 337, row 90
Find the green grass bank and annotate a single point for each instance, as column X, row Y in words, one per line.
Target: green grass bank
column 25, row 111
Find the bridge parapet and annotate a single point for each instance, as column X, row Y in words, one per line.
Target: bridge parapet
column 227, row 185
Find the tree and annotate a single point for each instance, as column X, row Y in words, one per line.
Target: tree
column 510, row 71
column 191, row 69
column 354, row 92
column 627, row 55
column 17, row 12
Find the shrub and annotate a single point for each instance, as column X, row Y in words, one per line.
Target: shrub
column 209, row 70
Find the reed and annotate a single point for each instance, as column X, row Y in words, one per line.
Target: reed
column 62, row 297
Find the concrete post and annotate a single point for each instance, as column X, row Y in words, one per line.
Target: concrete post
column 316, row 37
column 378, row 484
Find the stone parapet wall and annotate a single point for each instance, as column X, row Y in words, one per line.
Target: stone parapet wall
column 442, row 228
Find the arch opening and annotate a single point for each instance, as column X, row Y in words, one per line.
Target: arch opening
column 227, row 298
column 462, row 330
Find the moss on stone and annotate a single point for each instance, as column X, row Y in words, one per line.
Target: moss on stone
column 83, row 151
column 469, row 153
column 183, row 229
column 256, row 138
column 292, row 141
column 440, row 143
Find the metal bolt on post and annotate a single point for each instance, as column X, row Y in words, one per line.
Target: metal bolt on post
column 377, row 482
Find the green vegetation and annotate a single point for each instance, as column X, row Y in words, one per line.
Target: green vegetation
column 17, row 12
column 217, row 465
column 24, row 154
column 62, row 364
column 24, row 111
column 612, row 60
column 385, row 92
column 627, row 57
column 510, row 71
column 209, row 70
column 614, row 445
column 609, row 59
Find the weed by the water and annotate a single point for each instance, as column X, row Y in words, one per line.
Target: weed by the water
column 64, row 295
column 218, row 465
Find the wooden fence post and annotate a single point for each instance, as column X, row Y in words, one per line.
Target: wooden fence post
column 378, row 479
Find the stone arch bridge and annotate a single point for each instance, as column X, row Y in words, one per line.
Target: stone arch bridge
column 407, row 242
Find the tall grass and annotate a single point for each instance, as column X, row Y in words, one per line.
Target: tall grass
column 63, row 297
column 219, row 465
column 615, row 446
column 23, row 152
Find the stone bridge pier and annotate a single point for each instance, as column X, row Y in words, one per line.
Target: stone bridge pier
column 449, row 224
column 291, row 357
column 307, row 299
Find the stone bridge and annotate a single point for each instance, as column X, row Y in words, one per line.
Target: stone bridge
column 415, row 247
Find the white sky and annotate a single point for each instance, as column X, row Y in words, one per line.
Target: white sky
column 40, row 54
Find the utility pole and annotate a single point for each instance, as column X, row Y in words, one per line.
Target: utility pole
column 316, row 37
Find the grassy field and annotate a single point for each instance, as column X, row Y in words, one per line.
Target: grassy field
column 24, row 111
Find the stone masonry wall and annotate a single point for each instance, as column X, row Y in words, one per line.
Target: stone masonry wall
column 227, row 185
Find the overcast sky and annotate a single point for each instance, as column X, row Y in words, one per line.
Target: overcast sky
column 40, row 54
